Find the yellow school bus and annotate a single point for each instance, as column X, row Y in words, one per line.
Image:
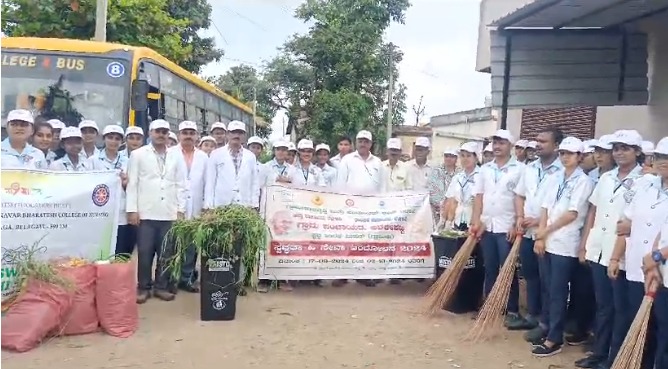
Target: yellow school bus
column 106, row 82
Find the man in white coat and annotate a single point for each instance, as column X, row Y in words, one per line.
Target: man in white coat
column 156, row 197
column 231, row 173
column 194, row 161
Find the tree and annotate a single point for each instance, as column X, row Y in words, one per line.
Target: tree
column 419, row 111
column 337, row 74
column 167, row 26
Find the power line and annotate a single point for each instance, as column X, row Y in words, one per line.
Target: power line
column 220, row 33
column 247, row 19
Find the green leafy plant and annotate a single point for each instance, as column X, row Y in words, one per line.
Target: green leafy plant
column 231, row 232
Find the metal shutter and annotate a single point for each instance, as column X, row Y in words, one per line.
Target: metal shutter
column 578, row 121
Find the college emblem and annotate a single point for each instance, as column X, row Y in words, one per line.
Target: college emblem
column 317, row 200
column 381, row 203
column 350, row 202
column 100, row 195
column 628, row 196
column 511, row 185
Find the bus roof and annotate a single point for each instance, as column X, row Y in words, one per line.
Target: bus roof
column 84, row 46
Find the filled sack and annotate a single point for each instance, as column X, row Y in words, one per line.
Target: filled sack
column 82, row 316
column 116, row 298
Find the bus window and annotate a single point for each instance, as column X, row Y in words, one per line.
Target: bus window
column 210, row 119
column 152, row 75
column 181, row 110
column 226, row 109
column 191, row 112
column 211, row 103
column 171, row 107
column 172, row 85
column 236, row 113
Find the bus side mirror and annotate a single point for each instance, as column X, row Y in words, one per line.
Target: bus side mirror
column 139, row 100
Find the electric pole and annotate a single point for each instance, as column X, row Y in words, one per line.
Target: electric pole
column 390, row 92
column 255, row 110
column 101, row 21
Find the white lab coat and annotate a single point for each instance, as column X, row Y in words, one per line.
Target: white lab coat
column 223, row 186
column 195, row 178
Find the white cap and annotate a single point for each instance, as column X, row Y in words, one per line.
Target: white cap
column 207, row 138
column 113, row 128
column 135, row 130
column 364, row 134
column 88, row 124
column 488, row 148
column 647, row 147
column 394, row 143
column 256, row 140
column 172, row 135
column 470, row 146
column 629, row 137
column 453, row 152
column 305, row 144
column 69, row 132
column 187, row 124
column 236, row 125
column 281, row 143
column 56, row 123
column 662, row 146
column 322, row 147
column 604, row 142
column 422, row 142
column 291, row 146
column 158, row 124
column 532, row 144
column 589, row 146
column 22, row 115
column 218, row 125
column 571, row 144
column 522, row 143
column 504, row 134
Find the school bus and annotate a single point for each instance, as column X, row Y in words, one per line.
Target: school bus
column 109, row 83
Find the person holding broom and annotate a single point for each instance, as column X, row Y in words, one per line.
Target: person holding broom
column 530, row 193
column 563, row 214
column 459, row 196
column 494, row 218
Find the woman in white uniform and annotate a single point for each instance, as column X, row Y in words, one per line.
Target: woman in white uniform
column 16, row 151
column 42, row 139
column 458, row 206
column 74, row 160
column 305, row 173
column 322, row 153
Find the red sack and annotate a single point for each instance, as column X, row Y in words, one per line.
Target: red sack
column 82, row 317
column 37, row 312
column 116, row 298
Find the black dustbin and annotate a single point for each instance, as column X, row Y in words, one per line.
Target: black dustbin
column 468, row 296
column 219, row 286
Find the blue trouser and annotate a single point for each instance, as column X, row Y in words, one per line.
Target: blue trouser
column 555, row 272
column 621, row 323
column 661, row 315
column 188, row 266
column 635, row 295
column 495, row 250
column 605, row 310
column 582, row 303
column 530, row 272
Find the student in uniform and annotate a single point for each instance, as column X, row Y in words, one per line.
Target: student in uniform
column 134, row 139
column 344, row 147
column 563, row 214
column 458, row 204
column 305, row 173
column 639, row 227
column 322, row 161
column 89, row 133
column 648, row 151
column 588, row 162
column 207, row 144
column 173, row 140
column 292, row 153
column 598, row 240
column 256, row 145
column 74, row 160
column 531, row 151
column 219, row 133
column 439, row 181
column 494, row 217
column 56, row 147
column 487, row 154
column 41, row 139
column 395, row 175
column 520, row 150
column 16, row 151
column 603, row 158
column 530, row 194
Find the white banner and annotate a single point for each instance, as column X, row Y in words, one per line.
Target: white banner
column 71, row 214
column 327, row 235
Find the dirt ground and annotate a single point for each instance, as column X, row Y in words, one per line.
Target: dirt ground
column 323, row 328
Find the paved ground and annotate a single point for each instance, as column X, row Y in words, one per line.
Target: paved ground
column 350, row 327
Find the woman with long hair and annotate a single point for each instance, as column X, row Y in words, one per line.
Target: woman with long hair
column 42, row 138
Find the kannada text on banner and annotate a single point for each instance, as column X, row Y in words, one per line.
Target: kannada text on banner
column 327, row 235
column 69, row 214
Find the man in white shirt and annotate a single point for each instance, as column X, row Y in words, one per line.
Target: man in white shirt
column 156, row 197
column 494, row 217
column 16, row 151
column 219, row 132
column 89, row 133
column 194, row 161
column 395, row 172
column 419, row 169
column 359, row 172
column 231, row 173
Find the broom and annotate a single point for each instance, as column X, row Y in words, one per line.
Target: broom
column 630, row 354
column 490, row 317
column 440, row 293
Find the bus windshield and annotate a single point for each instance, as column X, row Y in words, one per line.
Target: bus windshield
column 68, row 87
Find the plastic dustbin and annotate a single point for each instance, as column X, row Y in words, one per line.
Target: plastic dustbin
column 219, row 288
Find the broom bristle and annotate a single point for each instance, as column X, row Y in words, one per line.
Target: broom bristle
column 490, row 318
column 440, row 293
column 631, row 352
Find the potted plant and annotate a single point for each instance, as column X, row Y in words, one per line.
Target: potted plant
column 229, row 240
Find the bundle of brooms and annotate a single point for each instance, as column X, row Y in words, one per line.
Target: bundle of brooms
column 490, row 318
column 441, row 292
column 630, row 355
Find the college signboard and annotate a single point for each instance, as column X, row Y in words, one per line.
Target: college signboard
column 57, row 214
column 327, row 235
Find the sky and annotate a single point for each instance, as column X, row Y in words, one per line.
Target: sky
column 438, row 41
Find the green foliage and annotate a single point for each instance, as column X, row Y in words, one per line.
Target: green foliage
column 167, row 26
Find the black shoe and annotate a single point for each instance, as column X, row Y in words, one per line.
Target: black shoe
column 577, row 339
column 189, row 287
column 537, row 342
column 603, row 365
column 589, row 362
column 544, row 351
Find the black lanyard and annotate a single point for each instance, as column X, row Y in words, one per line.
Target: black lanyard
column 305, row 174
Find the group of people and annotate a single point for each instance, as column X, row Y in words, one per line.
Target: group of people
column 592, row 218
